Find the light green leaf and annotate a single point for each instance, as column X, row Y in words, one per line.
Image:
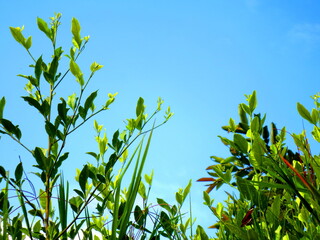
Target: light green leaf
column 95, row 67
column 255, row 124
column 43, row 26
column 17, row 34
column 304, row 113
column 316, row 133
column 219, row 209
column 72, row 99
column 75, row 70
column 245, row 108
column 253, row 101
column 75, row 29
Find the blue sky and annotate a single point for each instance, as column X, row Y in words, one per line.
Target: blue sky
column 201, row 57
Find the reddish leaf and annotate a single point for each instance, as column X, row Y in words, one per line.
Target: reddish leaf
column 247, row 218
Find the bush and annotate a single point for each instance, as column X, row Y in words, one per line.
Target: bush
column 276, row 189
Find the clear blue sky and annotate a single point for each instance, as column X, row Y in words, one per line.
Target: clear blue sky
column 201, row 57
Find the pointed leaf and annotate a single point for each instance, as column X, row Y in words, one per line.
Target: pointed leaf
column 17, row 34
column 89, row 101
column 43, row 26
column 18, row 172
column 304, row 113
column 2, row 104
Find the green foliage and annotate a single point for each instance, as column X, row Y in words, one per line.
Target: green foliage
column 276, row 189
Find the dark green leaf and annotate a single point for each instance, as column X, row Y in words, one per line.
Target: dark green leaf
column 139, row 216
column 166, row 223
column 33, row 102
column 83, row 178
column 11, row 128
column 45, row 108
column 33, row 80
column 140, row 107
column 18, row 172
column 89, row 101
column 2, row 104
column 79, row 193
column 50, row 129
column 101, row 178
column 82, row 112
column 115, row 139
column 2, row 172
column 40, row 158
column 62, row 110
column 53, row 67
column 93, row 154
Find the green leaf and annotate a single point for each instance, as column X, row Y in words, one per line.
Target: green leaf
column 38, row 69
column 61, row 159
column 83, row 178
column 34, row 81
column 8, row 125
column 245, row 108
column 242, row 115
column 75, row 70
column 241, row 143
column 50, row 129
column 187, row 190
column 253, row 101
column 76, row 203
column 305, row 113
column 2, row 104
column 18, row 172
column 2, row 172
column 28, row 43
column 95, row 67
column 17, row 34
column 255, row 124
column 162, row 203
column 140, row 107
column 75, row 29
column 63, row 110
column 72, row 99
column 43, row 26
column 89, row 101
column 207, row 199
column 179, row 198
column 201, row 233
column 54, row 67
column 315, row 116
column 40, row 158
column 33, row 102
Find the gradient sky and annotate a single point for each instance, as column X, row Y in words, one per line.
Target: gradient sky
column 201, row 57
